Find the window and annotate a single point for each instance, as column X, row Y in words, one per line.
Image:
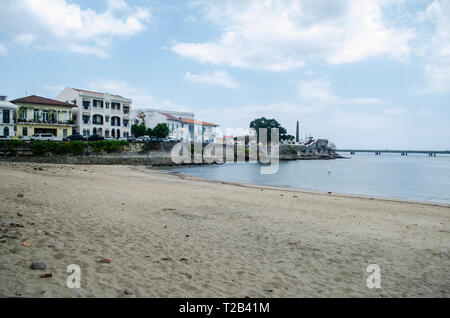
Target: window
column 24, row 113
column 64, row 132
column 45, row 117
column 107, row 105
column 107, row 119
column 24, row 131
column 85, row 119
column 36, row 115
column 125, row 123
column 6, row 131
column 6, row 118
column 86, row 104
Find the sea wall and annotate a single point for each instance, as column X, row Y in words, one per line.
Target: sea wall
column 158, row 154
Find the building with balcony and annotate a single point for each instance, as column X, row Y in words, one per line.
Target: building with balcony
column 38, row 115
column 7, row 115
column 97, row 113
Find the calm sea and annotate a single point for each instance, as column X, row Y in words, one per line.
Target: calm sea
column 413, row 177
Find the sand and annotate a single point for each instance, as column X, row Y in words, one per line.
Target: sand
column 176, row 236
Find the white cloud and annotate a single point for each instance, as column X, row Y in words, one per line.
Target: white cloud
column 318, row 91
column 282, row 35
column 141, row 98
column 215, row 77
column 437, row 47
column 3, row 50
column 60, row 25
column 24, row 39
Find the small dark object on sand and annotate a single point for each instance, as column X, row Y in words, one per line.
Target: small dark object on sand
column 20, row 195
column 38, row 265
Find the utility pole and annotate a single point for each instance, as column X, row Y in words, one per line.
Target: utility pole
column 297, row 136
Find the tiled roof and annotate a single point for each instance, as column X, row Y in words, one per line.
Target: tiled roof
column 171, row 117
column 33, row 99
column 198, row 122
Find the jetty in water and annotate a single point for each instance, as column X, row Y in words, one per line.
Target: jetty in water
column 431, row 153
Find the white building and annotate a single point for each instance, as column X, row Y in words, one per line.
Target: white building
column 181, row 125
column 7, row 114
column 99, row 113
column 152, row 117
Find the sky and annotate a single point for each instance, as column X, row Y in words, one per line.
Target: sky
column 362, row 74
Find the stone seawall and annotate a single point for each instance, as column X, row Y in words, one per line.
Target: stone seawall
column 153, row 154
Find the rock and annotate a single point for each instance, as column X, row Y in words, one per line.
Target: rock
column 25, row 244
column 20, row 195
column 269, row 290
column 13, row 224
column 48, row 275
column 38, row 265
column 166, row 259
column 127, row 292
column 53, row 247
column 106, row 260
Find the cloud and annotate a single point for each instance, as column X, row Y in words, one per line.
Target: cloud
column 282, row 35
column 141, row 98
column 24, row 39
column 319, row 91
column 3, row 50
column 436, row 47
column 60, row 25
column 215, row 78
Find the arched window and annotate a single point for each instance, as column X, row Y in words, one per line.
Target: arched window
column 6, row 131
column 118, row 133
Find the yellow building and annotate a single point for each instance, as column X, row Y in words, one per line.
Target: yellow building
column 39, row 115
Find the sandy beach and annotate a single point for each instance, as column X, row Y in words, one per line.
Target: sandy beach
column 176, row 236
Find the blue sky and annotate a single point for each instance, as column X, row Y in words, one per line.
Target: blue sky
column 372, row 73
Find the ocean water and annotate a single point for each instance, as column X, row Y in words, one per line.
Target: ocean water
column 414, row 177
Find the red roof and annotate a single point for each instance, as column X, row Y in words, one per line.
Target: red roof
column 198, row 122
column 33, row 99
column 171, row 117
column 92, row 92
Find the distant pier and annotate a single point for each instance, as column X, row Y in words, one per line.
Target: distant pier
column 431, row 153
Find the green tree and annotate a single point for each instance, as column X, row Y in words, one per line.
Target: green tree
column 160, row 131
column 138, row 130
column 149, row 132
column 263, row 122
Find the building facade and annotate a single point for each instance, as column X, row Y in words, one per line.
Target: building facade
column 7, row 117
column 152, row 117
column 100, row 114
column 39, row 115
column 182, row 125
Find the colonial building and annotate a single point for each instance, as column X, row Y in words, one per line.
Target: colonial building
column 152, row 117
column 182, row 125
column 37, row 115
column 7, row 115
column 99, row 113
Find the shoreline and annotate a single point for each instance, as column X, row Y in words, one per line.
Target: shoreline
column 300, row 190
column 171, row 235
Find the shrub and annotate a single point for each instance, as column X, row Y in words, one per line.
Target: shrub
column 39, row 147
column 13, row 145
column 78, row 147
column 292, row 150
